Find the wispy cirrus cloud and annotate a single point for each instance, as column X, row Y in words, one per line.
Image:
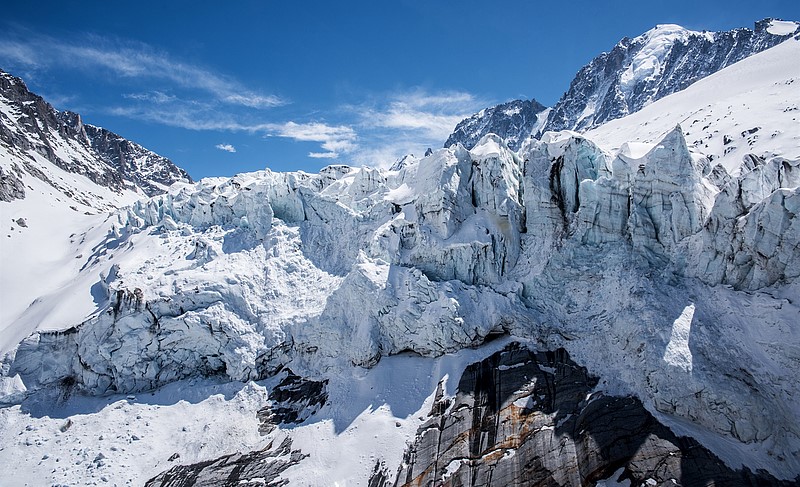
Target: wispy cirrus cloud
column 376, row 133
column 191, row 115
column 334, row 140
column 129, row 60
column 151, row 96
column 156, row 87
column 323, row 155
column 226, row 147
column 430, row 115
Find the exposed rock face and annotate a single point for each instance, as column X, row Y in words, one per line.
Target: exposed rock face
column 11, row 186
column 258, row 467
column 29, row 123
column 292, row 401
column 514, row 121
column 523, row 418
column 658, row 63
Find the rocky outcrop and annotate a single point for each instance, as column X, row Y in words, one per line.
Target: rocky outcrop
column 145, row 169
column 261, row 467
column 513, row 121
column 292, row 401
column 525, row 418
column 11, row 186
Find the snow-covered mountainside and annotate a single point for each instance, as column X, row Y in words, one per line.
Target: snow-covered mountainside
column 58, row 175
column 659, row 62
column 635, row 73
column 641, row 296
column 730, row 116
column 34, row 136
column 514, row 121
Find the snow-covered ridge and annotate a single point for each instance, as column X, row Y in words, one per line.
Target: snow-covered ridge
column 514, row 121
column 747, row 109
column 635, row 73
column 648, row 63
column 56, row 175
column 35, row 136
column 662, row 61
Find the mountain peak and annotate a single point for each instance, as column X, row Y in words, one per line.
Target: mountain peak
column 662, row 61
column 514, row 121
column 668, row 31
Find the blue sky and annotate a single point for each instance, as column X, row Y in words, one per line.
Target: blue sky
column 226, row 87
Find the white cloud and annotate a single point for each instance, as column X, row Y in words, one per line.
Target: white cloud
column 131, row 60
column 253, row 100
column 409, row 122
column 376, row 132
column 432, row 115
column 151, row 96
column 332, row 138
column 323, row 155
column 226, row 147
column 188, row 115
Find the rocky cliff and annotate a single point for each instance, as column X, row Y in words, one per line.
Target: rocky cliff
column 528, row 418
column 29, row 125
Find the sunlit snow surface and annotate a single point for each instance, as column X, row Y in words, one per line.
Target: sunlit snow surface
column 127, row 439
column 751, row 107
column 781, row 27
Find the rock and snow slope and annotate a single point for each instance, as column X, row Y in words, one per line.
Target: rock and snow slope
column 58, row 175
column 662, row 61
column 751, row 107
column 514, row 121
column 668, row 279
column 36, row 139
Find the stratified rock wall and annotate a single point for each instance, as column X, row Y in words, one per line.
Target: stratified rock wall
column 524, row 418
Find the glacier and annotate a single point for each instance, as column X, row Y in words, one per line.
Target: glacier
column 642, row 276
column 562, row 243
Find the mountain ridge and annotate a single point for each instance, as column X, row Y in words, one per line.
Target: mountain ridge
column 634, row 73
column 670, row 60
column 513, row 121
column 31, row 124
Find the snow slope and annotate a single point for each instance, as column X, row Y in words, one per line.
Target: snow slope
column 662, row 61
column 635, row 73
column 58, row 177
column 129, row 439
column 727, row 115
